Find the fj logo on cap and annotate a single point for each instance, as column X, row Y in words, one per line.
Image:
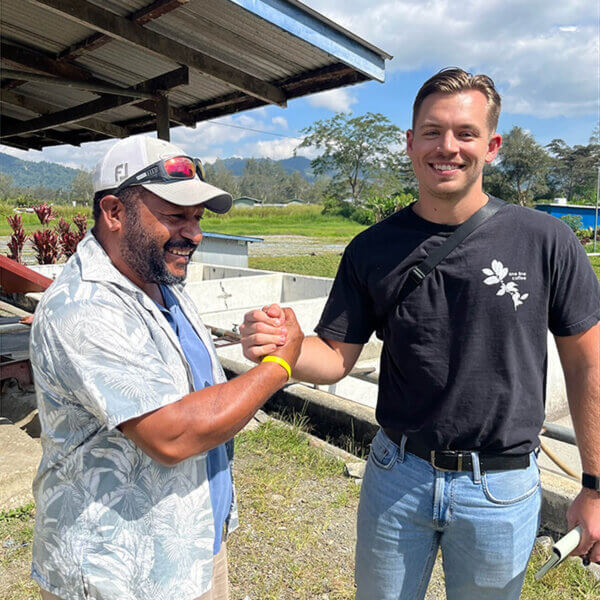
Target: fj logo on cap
column 121, row 172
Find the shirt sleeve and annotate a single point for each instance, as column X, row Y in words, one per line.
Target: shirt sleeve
column 104, row 358
column 575, row 294
column 349, row 314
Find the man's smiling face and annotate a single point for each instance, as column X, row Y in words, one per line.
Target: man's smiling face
column 159, row 238
column 451, row 143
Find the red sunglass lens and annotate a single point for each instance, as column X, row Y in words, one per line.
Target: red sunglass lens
column 180, row 166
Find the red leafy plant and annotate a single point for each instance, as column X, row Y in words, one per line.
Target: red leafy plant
column 80, row 221
column 46, row 246
column 67, row 239
column 17, row 239
column 44, row 212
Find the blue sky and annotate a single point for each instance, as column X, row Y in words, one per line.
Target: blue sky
column 542, row 54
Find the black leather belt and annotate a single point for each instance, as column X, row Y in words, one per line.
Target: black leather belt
column 461, row 460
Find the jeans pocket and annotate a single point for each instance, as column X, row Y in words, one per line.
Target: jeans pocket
column 510, row 487
column 383, row 451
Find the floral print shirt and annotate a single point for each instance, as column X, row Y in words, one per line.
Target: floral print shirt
column 111, row 523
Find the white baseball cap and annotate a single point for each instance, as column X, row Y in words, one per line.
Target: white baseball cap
column 132, row 154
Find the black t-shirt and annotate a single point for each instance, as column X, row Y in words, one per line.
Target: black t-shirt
column 463, row 364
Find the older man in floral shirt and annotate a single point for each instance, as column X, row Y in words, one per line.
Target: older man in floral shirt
column 134, row 492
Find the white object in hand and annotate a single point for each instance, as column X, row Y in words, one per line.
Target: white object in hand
column 560, row 551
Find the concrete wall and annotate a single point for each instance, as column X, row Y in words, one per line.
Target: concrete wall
column 50, row 271
column 243, row 292
column 302, row 287
column 225, row 272
column 219, row 251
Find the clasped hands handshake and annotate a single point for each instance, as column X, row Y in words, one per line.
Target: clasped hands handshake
column 271, row 331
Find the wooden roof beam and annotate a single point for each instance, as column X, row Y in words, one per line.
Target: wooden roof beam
column 39, row 62
column 104, row 21
column 88, row 109
column 176, row 115
column 41, row 107
column 58, row 136
column 143, row 15
column 81, row 85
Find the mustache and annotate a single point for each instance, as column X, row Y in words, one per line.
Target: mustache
column 180, row 246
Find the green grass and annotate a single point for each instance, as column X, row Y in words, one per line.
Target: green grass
column 322, row 265
column 568, row 581
column 595, row 260
column 293, row 220
column 16, row 536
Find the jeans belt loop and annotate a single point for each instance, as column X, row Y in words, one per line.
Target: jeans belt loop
column 402, row 451
column 476, row 467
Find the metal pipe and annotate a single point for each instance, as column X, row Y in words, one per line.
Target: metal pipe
column 559, row 463
column 560, row 433
column 596, row 219
column 14, row 328
column 81, row 85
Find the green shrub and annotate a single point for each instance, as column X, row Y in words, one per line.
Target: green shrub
column 575, row 222
column 363, row 216
column 337, row 208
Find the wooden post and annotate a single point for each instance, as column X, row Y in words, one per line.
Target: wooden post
column 162, row 117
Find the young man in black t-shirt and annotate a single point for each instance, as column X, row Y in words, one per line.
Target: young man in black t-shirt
column 463, row 366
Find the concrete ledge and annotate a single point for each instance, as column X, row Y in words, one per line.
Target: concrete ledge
column 19, row 461
column 557, row 494
column 333, row 418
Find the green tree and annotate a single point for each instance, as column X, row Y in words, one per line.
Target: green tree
column 294, row 186
column 6, row 186
column 219, row 175
column 81, row 188
column 520, row 173
column 262, row 179
column 316, row 193
column 573, row 169
column 355, row 149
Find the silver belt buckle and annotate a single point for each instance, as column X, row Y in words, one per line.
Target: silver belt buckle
column 458, row 465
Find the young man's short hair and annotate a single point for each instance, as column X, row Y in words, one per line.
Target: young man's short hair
column 454, row 80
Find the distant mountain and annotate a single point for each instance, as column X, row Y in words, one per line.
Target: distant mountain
column 294, row 163
column 26, row 173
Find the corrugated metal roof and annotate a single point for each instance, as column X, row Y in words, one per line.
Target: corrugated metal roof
column 226, row 236
column 267, row 51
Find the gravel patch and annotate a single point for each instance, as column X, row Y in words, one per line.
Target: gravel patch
column 293, row 245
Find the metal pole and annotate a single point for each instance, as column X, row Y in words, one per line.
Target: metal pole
column 596, row 219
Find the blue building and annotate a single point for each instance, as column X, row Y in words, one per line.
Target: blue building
column 587, row 213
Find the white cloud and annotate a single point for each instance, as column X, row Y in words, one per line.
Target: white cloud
column 280, row 122
column 522, row 45
column 275, row 149
column 339, row 100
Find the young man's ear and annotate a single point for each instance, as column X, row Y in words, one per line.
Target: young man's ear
column 493, row 147
column 111, row 212
column 409, row 141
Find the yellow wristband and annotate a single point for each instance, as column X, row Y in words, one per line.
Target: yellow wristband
column 279, row 361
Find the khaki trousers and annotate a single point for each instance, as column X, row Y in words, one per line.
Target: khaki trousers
column 220, row 581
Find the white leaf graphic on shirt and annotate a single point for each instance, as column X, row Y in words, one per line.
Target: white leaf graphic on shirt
column 496, row 275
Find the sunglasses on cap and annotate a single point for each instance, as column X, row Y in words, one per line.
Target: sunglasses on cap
column 176, row 168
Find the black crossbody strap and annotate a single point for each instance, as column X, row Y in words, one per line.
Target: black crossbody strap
column 417, row 274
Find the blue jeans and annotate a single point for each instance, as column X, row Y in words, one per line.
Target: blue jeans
column 485, row 525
